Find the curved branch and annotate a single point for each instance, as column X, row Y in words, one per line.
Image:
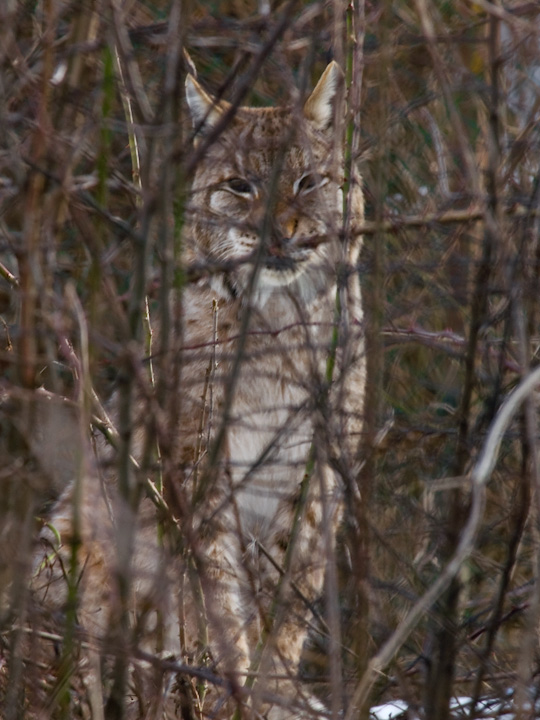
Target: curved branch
column 480, row 474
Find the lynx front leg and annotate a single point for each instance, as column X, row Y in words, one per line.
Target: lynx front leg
column 294, row 568
column 225, row 609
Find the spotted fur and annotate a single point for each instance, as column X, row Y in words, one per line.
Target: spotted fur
column 259, row 426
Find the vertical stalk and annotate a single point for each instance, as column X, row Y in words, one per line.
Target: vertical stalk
column 357, row 505
column 129, row 489
column 30, row 274
column 439, row 686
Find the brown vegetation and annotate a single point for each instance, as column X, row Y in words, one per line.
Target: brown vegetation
column 443, row 121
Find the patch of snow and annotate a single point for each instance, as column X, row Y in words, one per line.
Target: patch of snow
column 389, row 711
column 495, row 708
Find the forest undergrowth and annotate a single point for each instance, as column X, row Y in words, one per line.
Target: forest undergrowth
column 438, row 565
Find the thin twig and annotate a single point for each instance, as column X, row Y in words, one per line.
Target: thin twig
column 479, row 477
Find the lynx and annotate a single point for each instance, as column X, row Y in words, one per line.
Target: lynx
column 219, row 573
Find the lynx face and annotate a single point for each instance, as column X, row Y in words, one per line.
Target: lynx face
column 268, row 192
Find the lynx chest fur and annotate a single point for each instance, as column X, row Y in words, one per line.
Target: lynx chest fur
column 271, row 388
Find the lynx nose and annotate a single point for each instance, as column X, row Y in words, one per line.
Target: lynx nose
column 290, row 227
column 283, row 230
column 280, row 241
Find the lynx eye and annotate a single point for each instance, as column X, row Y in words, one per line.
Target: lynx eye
column 308, row 182
column 239, row 186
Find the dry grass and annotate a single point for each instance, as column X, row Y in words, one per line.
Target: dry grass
column 94, row 152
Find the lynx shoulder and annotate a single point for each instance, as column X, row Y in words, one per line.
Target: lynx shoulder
column 220, row 569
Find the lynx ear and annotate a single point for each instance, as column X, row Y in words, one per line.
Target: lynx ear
column 204, row 111
column 319, row 107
